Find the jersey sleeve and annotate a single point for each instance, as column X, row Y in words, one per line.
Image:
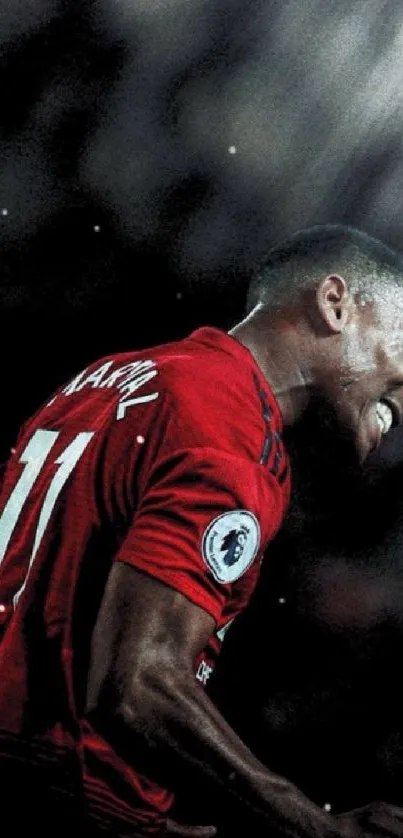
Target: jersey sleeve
column 205, row 509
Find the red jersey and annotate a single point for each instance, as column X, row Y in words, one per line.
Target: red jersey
column 168, row 459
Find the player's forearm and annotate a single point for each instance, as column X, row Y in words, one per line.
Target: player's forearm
column 175, row 717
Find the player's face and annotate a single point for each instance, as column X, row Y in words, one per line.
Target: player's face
column 367, row 389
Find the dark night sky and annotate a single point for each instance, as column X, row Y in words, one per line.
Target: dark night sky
column 150, row 153
column 194, row 135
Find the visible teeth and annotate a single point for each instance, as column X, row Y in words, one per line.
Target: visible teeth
column 384, row 417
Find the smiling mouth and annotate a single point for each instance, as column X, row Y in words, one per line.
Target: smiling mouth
column 384, row 416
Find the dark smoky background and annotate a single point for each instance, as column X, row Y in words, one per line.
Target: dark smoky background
column 151, row 152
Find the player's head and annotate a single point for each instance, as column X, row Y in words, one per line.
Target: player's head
column 341, row 293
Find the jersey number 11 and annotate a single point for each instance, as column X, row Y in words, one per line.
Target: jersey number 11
column 33, row 458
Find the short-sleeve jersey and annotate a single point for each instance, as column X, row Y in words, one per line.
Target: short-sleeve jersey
column 170, row 460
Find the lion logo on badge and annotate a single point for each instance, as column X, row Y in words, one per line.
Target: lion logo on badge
column 233, row 545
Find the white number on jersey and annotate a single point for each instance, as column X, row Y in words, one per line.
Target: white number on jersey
column 33, row 458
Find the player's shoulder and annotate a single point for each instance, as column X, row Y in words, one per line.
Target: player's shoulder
column 211, row 383
column 209, row 362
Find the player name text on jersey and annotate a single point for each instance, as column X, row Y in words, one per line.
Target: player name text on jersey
column 127, row 378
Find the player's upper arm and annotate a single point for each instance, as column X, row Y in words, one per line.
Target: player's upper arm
column 146, row 637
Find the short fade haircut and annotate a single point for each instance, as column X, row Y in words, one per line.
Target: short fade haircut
column 320, row 251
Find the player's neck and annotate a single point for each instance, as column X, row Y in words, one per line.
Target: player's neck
column 279, row 352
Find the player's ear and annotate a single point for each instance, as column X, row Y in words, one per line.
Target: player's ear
column 334, row 302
